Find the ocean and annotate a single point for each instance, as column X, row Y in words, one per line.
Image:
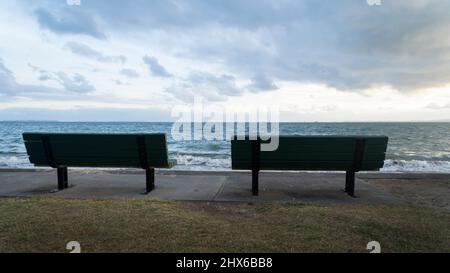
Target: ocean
column 413, row 147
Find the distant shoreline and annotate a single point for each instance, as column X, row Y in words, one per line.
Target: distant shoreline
column 282, row 122
column 372, row 175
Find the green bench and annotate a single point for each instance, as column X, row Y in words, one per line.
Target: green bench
column 60, row 151
column 312, row 153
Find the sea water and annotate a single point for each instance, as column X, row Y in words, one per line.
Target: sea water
column 413, row 147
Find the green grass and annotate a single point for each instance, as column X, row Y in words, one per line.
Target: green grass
column 47, row 224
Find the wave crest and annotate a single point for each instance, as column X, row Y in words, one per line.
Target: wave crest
column 416, row 166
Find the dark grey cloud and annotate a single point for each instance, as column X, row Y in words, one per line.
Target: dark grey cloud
column 9, row 88
column 223, row 84
column 345, row 44
column 155, row 68
column 130, row 73
column 88, row 52
column 69, row 21
column 76, row 83
column 262, row 83
column 250, row 14
column 43, row 75
column 205, row 85
column 7, row 80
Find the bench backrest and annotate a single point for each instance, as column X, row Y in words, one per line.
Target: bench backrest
column 328, row 153
column 97, row 150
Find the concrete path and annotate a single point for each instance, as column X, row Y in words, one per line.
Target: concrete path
column 325, row 188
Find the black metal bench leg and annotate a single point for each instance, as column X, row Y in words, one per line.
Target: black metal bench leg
column 66, row 178
column 61, row 178
column 256, row 165
column 149, row 180
column 255, row 182
column 350, row 183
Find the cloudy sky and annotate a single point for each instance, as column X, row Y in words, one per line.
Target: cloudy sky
column 317, row 60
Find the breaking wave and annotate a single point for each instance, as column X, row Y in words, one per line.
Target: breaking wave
column 416, row 166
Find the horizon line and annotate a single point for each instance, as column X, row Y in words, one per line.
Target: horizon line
column 136, row 121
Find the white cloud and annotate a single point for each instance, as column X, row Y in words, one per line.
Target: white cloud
column 436, row 106
column 75, row 83
column 69, row 21
column 131, row 73
column 361, row 62
column 155, row 68
column 87, row 52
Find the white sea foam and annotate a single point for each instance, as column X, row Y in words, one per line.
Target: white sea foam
column 195, row 162
column 12, row 161
column 416, row 166
column 205, row 162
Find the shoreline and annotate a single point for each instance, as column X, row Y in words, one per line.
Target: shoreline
column 391, row 166
column 371, row 175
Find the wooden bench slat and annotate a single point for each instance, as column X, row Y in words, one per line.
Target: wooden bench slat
column 36, row 147
column 108, row 149
column 331, row 146
column 87, row 136
column 297, row 150
column 308, row 165
column 239, row 156
column 67, row 160
column 327, row 139
column 311, row 153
